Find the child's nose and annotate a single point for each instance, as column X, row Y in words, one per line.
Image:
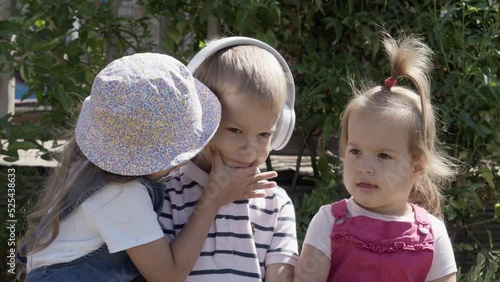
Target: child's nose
column 249, row 147
column 365, row 170
column 366, row 167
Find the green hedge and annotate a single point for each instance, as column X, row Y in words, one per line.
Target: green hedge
column 324, row 42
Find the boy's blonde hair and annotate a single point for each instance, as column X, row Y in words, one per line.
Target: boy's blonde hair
column 410, row 58
column 246, row 70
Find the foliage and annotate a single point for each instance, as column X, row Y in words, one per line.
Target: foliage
column 327, row 41
column 485, row 270
column 324, row 42
column 28, row 182
column 58, row 48
column 58, row 64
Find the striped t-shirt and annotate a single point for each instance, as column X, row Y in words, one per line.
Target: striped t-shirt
column 245, row 237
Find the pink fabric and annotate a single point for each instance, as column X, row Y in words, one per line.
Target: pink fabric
column 367, row 249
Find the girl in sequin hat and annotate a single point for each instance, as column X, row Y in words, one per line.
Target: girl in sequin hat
column 97, row 218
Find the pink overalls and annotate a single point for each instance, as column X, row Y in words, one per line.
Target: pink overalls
column 367, row 249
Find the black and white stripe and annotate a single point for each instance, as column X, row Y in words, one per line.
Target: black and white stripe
column 245, row 236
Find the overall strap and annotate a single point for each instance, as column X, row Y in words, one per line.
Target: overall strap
column 156, row 191
column 421, row 215
column 97, row 183
column 422, row 220
column 339, row 209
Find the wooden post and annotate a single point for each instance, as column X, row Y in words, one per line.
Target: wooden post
column 212, row 27
column 111, row 53
column 7, row 80
column 162, row 33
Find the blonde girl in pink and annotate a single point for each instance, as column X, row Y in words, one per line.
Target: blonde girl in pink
column 391, row 227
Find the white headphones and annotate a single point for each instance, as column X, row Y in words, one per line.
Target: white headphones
column 286, row 121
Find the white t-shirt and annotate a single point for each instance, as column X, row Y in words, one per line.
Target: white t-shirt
column 320, row 228
column 119, row 214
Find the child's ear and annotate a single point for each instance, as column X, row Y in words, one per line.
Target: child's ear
column 419, row 166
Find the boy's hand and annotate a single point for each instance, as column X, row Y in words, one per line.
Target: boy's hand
column 227, row 184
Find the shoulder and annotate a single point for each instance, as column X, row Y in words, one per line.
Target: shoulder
column 323, row 219
column 438, row 226
column 116, row 192
column 178, row 183
column 319, row 230
column 439, row 231
column 173, row 177
column 435, row 221
column 324, row 214
column 276, row 197
column 444, row 259
column 112, row 190
column 275, row 204
column 279, row 193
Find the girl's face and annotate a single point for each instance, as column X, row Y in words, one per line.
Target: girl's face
column 379, row 172
column 244, row 134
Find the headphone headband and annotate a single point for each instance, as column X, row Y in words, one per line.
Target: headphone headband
column 286, row 121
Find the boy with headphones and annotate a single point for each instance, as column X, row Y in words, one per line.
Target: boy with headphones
column 250, row 240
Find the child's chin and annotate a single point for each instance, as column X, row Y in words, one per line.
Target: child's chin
column 232, row 165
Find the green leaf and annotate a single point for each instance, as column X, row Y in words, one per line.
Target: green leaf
column 11, row 159
column 450, row 82
column 497, row 210
column 62, row 97
column 24, row 72
column 451, row 214
column 44, row 45
column 40, row 23
column 494, row 149
column 468, row 247
column 466, row 117
column 487, row 175
column 323, row 165
column 205, row 11
column 174, row 34
column 22, row 145
column 47, row 157
column 6, row 28
column 271, row 38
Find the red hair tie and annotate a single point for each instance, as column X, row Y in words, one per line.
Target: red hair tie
column 389, row 82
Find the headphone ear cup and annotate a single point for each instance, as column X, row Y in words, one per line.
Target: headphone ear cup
column 284, row 128
column 286, row 120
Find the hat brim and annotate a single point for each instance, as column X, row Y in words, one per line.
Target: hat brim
column 100, row 145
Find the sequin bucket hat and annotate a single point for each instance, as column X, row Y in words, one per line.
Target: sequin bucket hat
column 146, row 113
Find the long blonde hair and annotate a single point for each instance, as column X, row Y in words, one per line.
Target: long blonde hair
column 410, row 58
column 64, row 188
column 245, row 70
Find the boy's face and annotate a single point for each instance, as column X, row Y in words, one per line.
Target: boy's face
column 244, row 134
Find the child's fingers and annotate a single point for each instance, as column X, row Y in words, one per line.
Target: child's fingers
column 246, row 171
column 254, row 194
column 216, row 159
column 263, row 176
column 262, row 185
